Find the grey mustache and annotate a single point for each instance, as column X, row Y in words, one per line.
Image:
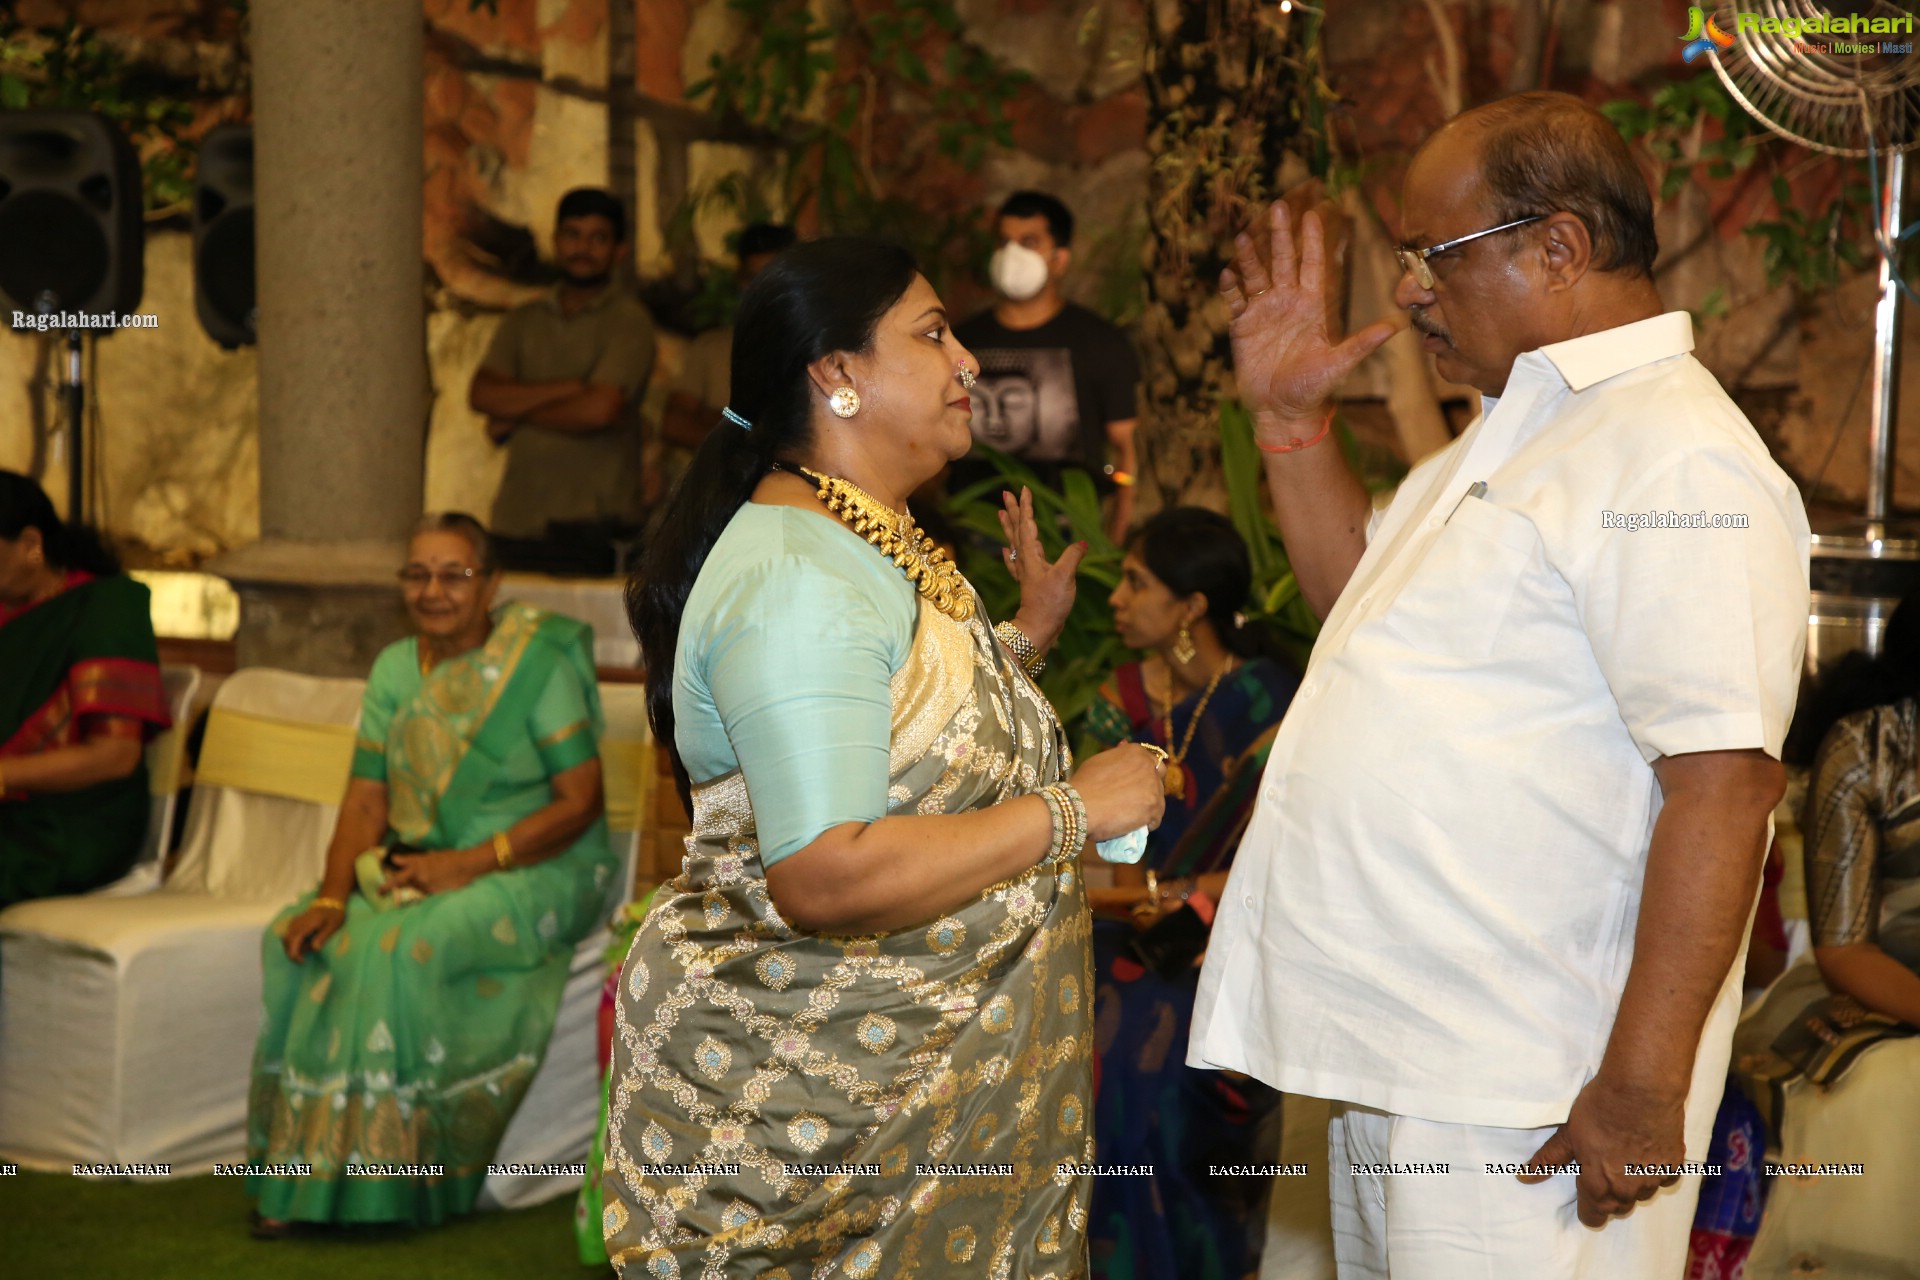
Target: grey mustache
column 1428, row 327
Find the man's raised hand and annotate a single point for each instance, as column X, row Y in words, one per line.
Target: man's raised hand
column 1285, row 360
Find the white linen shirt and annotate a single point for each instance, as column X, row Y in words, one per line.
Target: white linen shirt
column 1433, row 910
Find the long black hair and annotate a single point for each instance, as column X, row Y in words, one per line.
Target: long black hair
column 24, row 505
column 814, row 299
column 1193, row 549
column 1857, row 682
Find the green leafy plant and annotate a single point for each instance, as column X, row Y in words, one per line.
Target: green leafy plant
column 1808, row 248
column 70, row 68
column 851, row 116
column 1693, row 130
column 1089, row 647
column 1672, row 128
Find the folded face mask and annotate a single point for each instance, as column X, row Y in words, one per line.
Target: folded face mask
column 1127, row 848
column 1017, row 271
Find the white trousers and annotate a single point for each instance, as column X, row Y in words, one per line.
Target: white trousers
column 1468, row 1224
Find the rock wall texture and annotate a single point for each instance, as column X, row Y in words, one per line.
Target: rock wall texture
column 518, row 106
column 516, row 113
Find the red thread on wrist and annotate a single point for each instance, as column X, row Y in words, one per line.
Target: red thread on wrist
column 1296, row 444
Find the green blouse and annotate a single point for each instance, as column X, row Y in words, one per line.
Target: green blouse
column 559, row 734
column 787, row 648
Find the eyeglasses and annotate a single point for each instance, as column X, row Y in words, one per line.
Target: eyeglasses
column 449, row 579
column 1415, row 260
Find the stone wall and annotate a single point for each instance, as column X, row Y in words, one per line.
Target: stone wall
column 516, row 112
column 1791, row 361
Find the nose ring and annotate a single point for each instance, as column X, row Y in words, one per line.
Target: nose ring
column 967, row 378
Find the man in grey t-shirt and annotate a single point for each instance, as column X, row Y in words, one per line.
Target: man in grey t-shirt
column 562, row 381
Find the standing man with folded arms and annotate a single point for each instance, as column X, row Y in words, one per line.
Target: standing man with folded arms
column 1494, row 899
column 562, row 381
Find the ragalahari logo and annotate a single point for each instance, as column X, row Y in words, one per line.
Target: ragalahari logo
column 1703, row 35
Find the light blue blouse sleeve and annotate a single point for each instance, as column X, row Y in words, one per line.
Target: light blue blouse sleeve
column 799, row 665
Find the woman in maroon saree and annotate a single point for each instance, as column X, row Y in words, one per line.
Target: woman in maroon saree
column 80, row 694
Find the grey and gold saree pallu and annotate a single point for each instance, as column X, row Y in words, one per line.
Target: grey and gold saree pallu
column 788, row 1105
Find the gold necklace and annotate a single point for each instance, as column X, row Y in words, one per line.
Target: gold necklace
column 1176, row 775
column 899, row 539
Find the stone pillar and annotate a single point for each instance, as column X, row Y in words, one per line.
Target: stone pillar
column 343, row 370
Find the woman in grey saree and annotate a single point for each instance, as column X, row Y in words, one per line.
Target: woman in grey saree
column 853, row 1037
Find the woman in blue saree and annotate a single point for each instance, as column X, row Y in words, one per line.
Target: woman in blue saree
column 1207, row 696
column 405, row 1021
column 853, row 1034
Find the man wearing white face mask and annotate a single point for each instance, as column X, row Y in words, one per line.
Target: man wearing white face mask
column 1057, row 383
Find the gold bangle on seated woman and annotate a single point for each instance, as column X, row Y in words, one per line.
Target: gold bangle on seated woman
column 1149, row 906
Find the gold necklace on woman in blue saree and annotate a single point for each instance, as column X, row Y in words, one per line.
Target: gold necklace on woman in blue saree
column 895, row 535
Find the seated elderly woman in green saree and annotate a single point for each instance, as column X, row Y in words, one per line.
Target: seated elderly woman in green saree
column 79, row 694
column 853, row 1035
column 410, row 999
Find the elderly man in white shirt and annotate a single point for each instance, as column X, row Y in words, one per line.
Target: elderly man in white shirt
column 1494, row 900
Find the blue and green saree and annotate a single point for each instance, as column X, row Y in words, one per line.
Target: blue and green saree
column 391, row 1061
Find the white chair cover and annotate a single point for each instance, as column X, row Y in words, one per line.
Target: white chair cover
column 244, row 844
column 556, row 1120
column 165, row 754
column 127, row 1024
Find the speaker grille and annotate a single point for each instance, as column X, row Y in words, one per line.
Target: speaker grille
column 225, row 268
column 51, row 244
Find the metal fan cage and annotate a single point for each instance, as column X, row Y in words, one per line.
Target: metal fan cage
column 1860, row 103
column 1800, row 88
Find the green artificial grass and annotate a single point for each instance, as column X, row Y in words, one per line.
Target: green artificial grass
column 53, row 1227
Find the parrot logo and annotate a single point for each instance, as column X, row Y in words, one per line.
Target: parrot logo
column 1703, row 35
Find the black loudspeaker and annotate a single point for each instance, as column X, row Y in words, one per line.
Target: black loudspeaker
column 70, row 226
column 223, row 236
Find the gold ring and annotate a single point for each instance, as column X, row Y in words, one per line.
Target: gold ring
column 1160, row 755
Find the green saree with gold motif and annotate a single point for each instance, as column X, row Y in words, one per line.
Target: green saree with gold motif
column 788, row 1105
column 391, row 1060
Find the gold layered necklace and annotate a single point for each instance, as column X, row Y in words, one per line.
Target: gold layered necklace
column 897, row 537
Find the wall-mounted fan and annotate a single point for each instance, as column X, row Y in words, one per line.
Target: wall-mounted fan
column 1855, row 94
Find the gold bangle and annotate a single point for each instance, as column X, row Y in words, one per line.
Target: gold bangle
column 502, row 850
column 1147, row 908
column 1023, row 649
column 1069, row 814
column 329, row 904
column 1153, row 888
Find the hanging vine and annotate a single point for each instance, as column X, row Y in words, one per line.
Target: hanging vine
column 857, row 115
column 1236, row 109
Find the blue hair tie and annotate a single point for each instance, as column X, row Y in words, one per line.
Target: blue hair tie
column 736, row 419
